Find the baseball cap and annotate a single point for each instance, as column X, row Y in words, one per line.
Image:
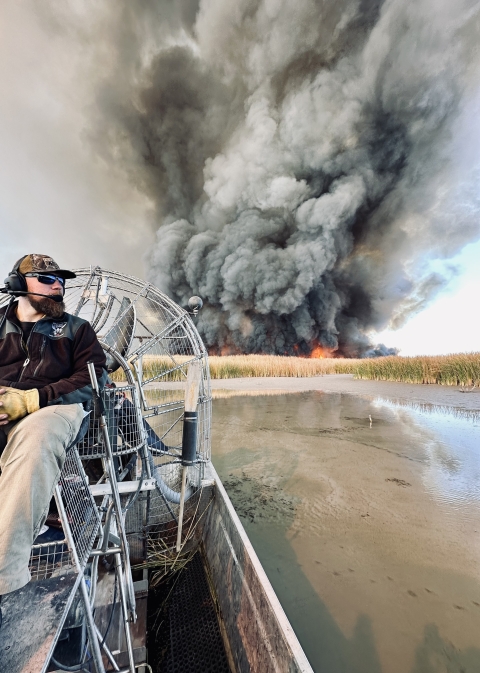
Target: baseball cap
column 42, row 264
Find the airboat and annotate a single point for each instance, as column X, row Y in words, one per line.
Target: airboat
column 142, row 514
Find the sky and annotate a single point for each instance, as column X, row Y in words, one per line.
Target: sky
column 451, row 324
column 57, row 198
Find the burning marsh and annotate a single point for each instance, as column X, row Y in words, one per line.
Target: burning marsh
column 308, row 168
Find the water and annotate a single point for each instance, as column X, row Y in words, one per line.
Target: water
column 368, row 530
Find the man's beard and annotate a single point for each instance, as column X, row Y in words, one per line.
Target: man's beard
column 51, row 308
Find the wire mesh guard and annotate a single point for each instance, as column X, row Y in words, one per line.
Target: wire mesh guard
column 150, row 342
column 50, row 559
column 54, row 558
column 124, row 425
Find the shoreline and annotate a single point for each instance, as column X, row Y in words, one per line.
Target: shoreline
column 412, row 393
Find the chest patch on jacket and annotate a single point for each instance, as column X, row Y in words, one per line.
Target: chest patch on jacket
column 57, row 329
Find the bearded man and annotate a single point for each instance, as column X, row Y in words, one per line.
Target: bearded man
column 44, row 384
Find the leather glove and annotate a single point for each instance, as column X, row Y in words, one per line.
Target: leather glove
column 18, row 403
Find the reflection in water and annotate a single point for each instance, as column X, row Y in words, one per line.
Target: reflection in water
column 367, row 531
column 451, row 441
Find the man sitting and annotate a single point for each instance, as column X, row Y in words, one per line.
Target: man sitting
column 44, row 382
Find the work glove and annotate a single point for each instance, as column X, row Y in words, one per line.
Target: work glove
column 18, row 403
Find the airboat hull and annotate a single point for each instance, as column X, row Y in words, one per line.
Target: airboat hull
column 256, row 633
column 259, row 637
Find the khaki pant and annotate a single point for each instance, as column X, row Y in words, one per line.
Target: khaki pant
column 30, row 468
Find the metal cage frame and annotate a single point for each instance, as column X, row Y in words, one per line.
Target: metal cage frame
column 135, row 433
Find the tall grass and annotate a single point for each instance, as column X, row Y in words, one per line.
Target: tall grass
column 461, row 369
column 451, row 370
column 235, row 366
column 239, row 366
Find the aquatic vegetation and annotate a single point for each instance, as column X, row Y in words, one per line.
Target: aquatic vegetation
column 451, row 370
column 458, row 369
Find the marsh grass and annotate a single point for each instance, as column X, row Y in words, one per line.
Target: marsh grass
column 452, row 370
column 239, row 366
column 460, row 369
column 235, row 366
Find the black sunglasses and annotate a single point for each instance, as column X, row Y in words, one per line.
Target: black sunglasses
column 46, row 279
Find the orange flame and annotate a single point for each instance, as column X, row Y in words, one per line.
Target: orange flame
column 321, row 352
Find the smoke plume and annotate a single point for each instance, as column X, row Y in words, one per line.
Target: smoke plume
column 307, row 161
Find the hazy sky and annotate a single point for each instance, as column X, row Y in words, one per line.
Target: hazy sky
column 55, row 196
column 451, row 324
column 58, row 197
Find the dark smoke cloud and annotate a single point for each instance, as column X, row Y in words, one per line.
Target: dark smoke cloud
column 306, row 160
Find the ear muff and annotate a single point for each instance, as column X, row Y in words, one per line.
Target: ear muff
column 15, row 282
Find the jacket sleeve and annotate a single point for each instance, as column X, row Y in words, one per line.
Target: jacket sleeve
column 77, row 387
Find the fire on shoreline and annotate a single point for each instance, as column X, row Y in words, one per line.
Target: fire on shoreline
column 320, row 352
column 316, row 352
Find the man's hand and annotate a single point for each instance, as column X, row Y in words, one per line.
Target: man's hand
column 16, row 404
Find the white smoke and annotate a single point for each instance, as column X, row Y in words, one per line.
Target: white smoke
column 306, row 160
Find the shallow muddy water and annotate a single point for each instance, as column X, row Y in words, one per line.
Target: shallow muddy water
column 366, row 517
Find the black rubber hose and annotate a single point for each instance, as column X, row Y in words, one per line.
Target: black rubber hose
column 139, row 487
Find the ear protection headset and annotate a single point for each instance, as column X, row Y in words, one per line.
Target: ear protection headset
column 15, row 281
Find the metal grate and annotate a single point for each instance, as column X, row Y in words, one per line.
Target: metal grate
column 123, row 424
column 196, row 644
column 50, row 560
column 80, row 508
column 54, row 558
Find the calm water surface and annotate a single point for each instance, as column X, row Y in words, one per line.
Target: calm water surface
column 365, row 515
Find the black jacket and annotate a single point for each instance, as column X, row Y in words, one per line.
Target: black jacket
column 54, row 359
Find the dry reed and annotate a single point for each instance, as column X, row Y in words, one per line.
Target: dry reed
column 239, row 366
column 452, row 370
column 235, row 366
column 460, row 369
